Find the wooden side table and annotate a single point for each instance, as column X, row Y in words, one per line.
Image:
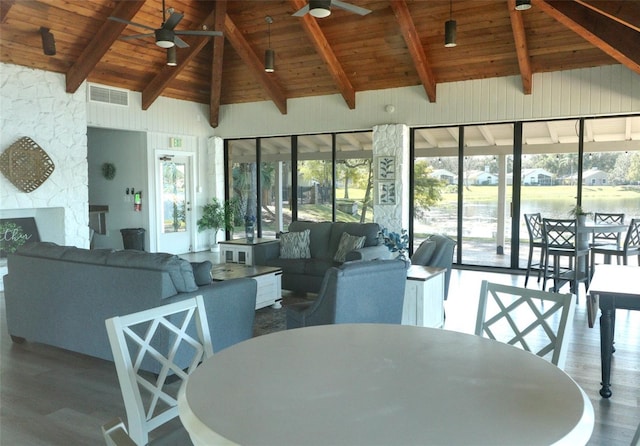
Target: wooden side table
column 424, row 297
column 240, row 250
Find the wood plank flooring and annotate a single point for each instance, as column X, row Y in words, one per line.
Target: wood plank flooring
column 50, row 396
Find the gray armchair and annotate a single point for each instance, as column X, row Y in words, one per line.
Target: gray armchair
column 355, row 292
column 436, row 250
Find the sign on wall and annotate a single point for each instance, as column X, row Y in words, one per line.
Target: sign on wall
column 15, row 232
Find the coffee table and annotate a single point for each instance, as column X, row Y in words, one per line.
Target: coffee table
column 269, row 280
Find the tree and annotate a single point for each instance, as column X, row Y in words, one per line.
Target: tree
column 427, row 190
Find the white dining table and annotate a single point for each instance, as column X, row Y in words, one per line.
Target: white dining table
column 374, row 384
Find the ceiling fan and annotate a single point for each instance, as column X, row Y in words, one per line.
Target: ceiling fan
column 166, row 36
column 322, row 8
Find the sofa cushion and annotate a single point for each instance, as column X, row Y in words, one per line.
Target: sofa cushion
column 289, row 266
column 46, row 250
column 93, row 256
column 347, row 244
column 424, row 252
column 202, row 272
column 320, row 233
column 295, row 245
column 318, row 267
column 179, row 270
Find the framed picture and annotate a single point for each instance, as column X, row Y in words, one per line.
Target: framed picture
column 386, row 167
column 15, row 232
column 386, row 192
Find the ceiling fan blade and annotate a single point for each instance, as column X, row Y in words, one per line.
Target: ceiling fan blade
column 140, row 25
column 349, row 7
column 180, row 43
column 200, row 33
column 302, row 11
column 136, row 36
column 174, row 19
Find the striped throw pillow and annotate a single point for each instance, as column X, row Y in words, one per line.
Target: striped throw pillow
column 347, row 244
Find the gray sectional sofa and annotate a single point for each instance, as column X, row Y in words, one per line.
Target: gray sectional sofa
column 61, row 295
column 306, row 274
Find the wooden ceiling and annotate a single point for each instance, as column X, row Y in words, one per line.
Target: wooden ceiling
column 400, row 43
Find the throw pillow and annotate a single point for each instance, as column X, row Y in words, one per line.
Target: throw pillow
column 202, row 272
column 424, row 253
column 295, row 245
column 347, row 244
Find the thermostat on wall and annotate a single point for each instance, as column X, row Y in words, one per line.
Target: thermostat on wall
column 175, row 142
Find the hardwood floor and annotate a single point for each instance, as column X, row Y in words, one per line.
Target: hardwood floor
column 50, row 396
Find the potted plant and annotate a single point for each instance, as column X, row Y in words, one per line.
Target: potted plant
column 216, row 216
column 397, row 243
column 579, row 213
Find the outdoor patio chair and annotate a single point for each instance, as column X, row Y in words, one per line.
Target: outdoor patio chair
column 606, row 238
column 536, row 241
column 562, row 241
column 630, row 247
column 534, row 320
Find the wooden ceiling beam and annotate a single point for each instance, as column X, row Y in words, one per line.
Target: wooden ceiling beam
column 625, row 12
column 612, row 37
column 244, row 50
column 217, row 64
column 100, row 44
column 157, row 85
column 522, row 52
column 324, row 50
column 417, row 51
column 5, row 7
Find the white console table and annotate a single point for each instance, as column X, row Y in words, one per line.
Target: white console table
column 424, row 297
column 240, row 250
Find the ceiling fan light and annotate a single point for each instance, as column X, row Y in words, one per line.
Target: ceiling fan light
column 172, row 57
column 450, row 33
column 523, row 5
column 320, row 8
column 164, row 38
column 269, row 60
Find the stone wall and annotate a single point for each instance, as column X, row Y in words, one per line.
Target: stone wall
column 33, row 103
column 391, row 144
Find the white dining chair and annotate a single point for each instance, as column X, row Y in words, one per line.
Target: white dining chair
column 635, row 441
column 151, row 399
column 115, row 433
column 534, row 320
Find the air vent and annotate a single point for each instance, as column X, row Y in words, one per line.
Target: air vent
column 108, row 95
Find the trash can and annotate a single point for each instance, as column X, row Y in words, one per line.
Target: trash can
column 133, row 238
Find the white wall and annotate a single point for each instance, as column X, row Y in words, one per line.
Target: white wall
column 605, row 90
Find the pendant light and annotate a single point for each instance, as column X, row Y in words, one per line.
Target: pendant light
column 269, row 54
column 48, row 42
column 172, row 58
column 523, row 5
column 450, row 29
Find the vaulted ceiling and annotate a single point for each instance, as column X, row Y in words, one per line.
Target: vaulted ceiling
column 400, row 43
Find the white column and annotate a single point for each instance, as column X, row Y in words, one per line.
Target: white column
column 278, row 198
column 391, row 191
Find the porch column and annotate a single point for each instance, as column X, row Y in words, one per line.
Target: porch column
column 391, row 176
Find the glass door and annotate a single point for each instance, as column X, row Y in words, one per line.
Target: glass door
column 174, row 211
